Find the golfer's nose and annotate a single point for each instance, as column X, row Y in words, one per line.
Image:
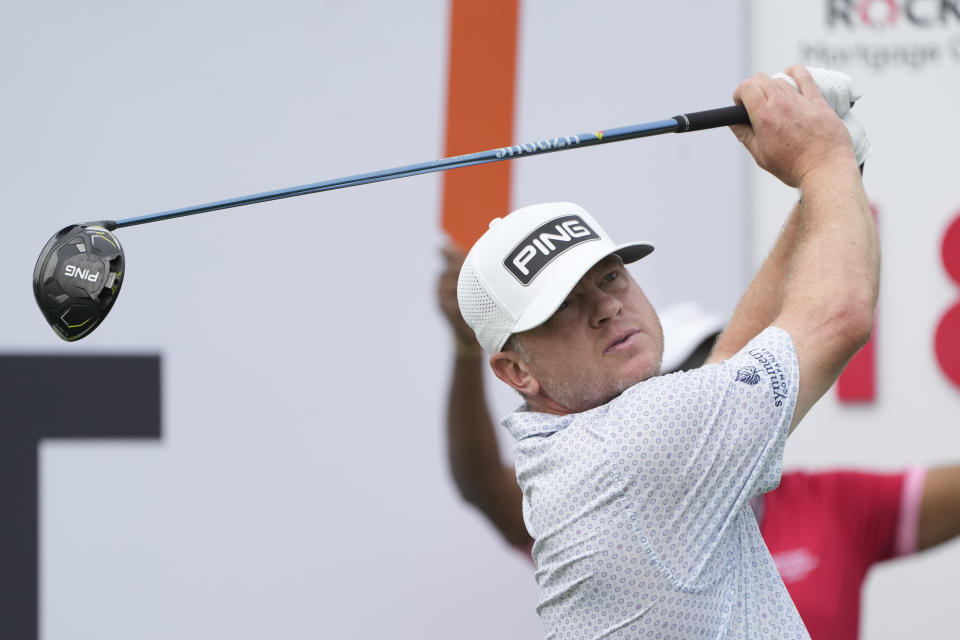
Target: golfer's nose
column 604, row 307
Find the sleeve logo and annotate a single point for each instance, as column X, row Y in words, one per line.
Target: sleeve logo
column 769, row 365
column 748, row 375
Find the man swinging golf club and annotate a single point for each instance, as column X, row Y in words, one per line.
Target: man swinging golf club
column 636, row 487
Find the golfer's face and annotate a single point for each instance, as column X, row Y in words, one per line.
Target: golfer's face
column 604, row 338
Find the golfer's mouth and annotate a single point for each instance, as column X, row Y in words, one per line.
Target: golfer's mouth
column 624, row 341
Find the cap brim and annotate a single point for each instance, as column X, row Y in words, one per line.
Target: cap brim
column 540, row 310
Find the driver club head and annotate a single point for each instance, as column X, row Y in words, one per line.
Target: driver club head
column 77, row 278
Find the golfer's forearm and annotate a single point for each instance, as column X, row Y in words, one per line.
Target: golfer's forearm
column 763, row 299
column 835, row 277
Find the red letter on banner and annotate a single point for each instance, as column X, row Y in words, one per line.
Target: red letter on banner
column 947, row 340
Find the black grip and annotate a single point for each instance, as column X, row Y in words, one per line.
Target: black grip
column 712, row 118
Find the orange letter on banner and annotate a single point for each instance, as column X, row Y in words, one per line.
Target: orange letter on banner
column 483, row 60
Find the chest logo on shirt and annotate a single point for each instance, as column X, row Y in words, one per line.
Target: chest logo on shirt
column 748, row 375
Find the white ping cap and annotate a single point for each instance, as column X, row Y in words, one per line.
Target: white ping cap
column 524, row 266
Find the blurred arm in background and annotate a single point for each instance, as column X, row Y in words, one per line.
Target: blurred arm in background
column 939, row 507
column 481, row 476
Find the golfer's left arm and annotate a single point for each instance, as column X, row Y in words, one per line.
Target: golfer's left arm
column 763, row 299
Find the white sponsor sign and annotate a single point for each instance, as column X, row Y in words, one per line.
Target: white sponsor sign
column 906, row 56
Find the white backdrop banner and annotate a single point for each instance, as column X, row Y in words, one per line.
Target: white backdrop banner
column 299, row 488
column 906, row 56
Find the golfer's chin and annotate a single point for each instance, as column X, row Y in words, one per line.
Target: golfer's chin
column 643, row 364
column 640, row 371
column 595, row 383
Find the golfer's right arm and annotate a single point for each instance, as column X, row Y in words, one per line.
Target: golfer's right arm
column 831, row 289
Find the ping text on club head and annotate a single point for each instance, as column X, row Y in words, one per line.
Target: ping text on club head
column 82, row 274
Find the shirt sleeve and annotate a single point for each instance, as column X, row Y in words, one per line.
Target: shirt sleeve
column 878, row 510
column 908, row 521
column 696, row 446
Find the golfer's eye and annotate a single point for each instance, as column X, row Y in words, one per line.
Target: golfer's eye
column 563, row 305
column 610, row 277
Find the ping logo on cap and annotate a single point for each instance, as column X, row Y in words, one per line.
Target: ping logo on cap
column 545, row 243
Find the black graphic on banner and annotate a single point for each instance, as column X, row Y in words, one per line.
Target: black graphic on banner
column 57, row 397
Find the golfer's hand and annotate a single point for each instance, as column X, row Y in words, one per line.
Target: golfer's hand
column 447, row 297
column 841, row 92
column 791, row 132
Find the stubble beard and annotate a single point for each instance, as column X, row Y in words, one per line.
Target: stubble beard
column 583, row 395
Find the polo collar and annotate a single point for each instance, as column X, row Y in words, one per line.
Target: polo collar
column 524, row 422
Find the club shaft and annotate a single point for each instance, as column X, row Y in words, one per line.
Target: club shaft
column 688, row 122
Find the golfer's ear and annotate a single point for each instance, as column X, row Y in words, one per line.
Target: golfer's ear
column 512, row 369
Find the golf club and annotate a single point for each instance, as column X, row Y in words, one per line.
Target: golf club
column 78, row 275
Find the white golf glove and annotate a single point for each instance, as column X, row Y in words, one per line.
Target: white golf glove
column 840, row 92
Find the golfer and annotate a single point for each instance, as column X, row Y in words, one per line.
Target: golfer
column 636, row 487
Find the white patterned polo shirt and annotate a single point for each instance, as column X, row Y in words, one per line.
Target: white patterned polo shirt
column 640, row 507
